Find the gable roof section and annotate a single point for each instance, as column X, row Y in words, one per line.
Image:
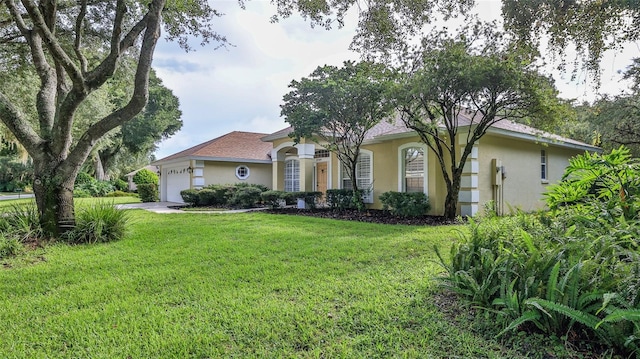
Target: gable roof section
column 236, row 146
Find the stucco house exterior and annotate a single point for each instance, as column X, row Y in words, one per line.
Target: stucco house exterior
column 232, row 158
column 512, row 165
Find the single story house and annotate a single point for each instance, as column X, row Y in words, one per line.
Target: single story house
column 511, row 165
column 231, row 158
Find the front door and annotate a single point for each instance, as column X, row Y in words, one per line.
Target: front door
column 321, row 177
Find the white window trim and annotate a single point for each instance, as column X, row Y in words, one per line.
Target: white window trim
column 544, row 177
column 401, row 165
column 243, row 177
column 369, row 197
column 285, row 174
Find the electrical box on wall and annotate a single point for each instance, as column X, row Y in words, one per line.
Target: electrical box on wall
column 496, row 172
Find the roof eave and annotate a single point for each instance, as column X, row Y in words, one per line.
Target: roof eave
column 211, row 159
column 541, row 139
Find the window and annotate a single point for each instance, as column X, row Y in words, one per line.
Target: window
column 413, row 169
column 364, row 174
column 292, row 176
column 322, row 154
column 543, row 165
column 242, row 172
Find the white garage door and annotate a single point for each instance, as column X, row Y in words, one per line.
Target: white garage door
column 177, row 182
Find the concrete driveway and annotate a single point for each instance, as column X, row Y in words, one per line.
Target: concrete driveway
column 157, row 207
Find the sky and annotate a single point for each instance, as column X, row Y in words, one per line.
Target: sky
column 240, row 87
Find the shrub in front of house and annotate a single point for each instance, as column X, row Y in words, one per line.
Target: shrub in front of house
column 273, row 199
column 190, row 196
column 219, row 195
column 310, row 198
column 144, row 176
column 148, row 192
column 342, row 199
column 245, row 197
column 405, row 204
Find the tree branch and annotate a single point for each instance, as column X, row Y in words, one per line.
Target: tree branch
column 56, row 50
column 140, row 94
column 19, row 126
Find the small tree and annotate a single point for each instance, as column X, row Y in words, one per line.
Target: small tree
column 486, row 84
column 335, row 107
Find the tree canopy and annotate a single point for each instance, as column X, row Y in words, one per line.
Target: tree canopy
column 461, row 86
column 335, row 107
column 590, row 27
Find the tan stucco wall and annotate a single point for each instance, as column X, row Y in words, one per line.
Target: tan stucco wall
column 386, row 167
column 225, row 173
column 523, row 187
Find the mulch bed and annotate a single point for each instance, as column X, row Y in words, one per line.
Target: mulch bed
column 369, row 216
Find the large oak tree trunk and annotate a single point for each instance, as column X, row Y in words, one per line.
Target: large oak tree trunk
column 53, row 191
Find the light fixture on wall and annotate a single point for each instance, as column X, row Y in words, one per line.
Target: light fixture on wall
column 189, row 169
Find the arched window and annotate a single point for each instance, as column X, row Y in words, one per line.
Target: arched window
column 291, row 175
column 412, row 171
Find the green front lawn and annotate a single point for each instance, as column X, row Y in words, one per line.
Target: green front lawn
column 6, row 205
column 236, row 285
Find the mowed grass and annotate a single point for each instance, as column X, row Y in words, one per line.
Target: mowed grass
column 237, row 285
column 8, row 204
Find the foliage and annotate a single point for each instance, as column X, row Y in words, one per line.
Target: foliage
column 144, row 176
column 239, row 195
column 83, row 178
column 460, row 86
column 336, row 107
column 405, row 204
column 310, row 198
column 100, row 222
column 273, row 199
column 133, row 144
column 9, row 247
column 95, row 188
column 245, row 197
column 569, row 272
column 588, row 28
column 342, row 199
column 22, row 223
column 190, row 196
column 81, row 193
column 15, row 174
column 148, row 192
column 593, row 180
column 120, row 184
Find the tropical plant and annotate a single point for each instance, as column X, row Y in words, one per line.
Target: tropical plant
column 99, row 222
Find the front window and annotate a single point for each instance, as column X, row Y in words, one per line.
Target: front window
column 413, row 169
column 292, row 176
column 364, row 175
column 543, row 165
